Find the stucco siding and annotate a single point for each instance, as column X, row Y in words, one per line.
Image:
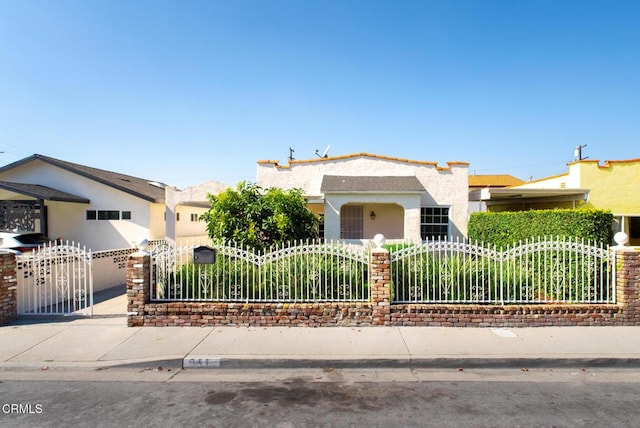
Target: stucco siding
column 308, row 176
column 157, row 221
column 68, row 221
column 389, row 221
column 186, row 227
column 614, row 186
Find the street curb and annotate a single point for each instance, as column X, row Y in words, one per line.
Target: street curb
column 175, row 363
column 427, row 363
column 222, row 363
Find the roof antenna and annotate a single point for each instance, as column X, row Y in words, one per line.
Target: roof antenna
column 577, row 152
column 291, row 152
column 325, row 154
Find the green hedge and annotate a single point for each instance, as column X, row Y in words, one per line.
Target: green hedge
column 297, row 278
column 508, row 228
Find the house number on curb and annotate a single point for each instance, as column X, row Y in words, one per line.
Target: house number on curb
column 201, row 363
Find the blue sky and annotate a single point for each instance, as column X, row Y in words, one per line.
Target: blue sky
column 189, row 91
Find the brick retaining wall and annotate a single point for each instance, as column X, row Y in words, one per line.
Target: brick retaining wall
column 380, row 311
column 506, row 316
column 256, row 314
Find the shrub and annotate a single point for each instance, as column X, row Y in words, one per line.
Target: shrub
column 508, row 228
column 300, row 277
column 258, row 218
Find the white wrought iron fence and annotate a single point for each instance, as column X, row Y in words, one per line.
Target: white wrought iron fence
column 298, row 272
column 546, row 270
column 55, row 279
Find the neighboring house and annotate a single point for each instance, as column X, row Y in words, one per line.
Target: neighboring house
column 184, row 209
column 488, row 181
column 613, row 185
column 363, row 194
column 96, row 208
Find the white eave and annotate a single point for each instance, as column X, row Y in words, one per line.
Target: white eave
column 507, row 195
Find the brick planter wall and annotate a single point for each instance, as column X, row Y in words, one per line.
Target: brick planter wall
column 380, row 311
column 506, row 316
column 138, row 277
column 8, row 292
column 628, row 285
column 257, row 314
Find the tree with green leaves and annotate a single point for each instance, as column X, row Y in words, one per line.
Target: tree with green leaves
column 259, row 218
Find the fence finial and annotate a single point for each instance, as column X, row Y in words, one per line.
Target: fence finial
column 378, row 240
column 621, row 239
column 142, row 247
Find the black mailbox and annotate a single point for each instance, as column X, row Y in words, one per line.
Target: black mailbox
column 204, row 255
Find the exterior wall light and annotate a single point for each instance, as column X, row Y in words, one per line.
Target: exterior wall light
column 372, row 215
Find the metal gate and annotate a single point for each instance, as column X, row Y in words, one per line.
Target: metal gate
column 55, row 280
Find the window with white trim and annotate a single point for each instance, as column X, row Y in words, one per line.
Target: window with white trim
column 434, row 222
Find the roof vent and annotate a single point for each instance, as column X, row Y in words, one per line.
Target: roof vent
column 156, row 184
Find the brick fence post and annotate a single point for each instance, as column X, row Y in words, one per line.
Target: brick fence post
column 138, row 287
column 380, row 286
column 628, row 284
column 8, row 289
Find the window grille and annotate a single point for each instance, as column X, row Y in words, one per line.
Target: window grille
column 351, row 222
column 434, row 222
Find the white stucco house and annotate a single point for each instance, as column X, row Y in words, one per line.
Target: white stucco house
column 363, row 194
column 96, row 208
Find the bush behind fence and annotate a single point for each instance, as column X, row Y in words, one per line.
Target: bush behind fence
column 302, row 272
column 546, row 270
column 551, row 270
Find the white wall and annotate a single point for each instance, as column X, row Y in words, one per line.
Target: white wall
column 570, row 180
column 109, row 268
column 157, row 223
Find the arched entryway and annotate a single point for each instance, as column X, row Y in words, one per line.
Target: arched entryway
column 365, row 220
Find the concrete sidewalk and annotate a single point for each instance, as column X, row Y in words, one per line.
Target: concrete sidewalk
column 106, row 341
